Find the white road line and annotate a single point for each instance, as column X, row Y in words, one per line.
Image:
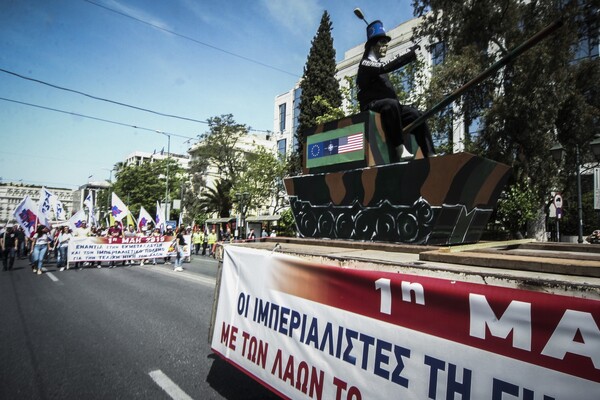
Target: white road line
column 51, row 276
column 183, row 275
column 168, row 385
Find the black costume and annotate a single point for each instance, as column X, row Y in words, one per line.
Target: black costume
column 376, row 93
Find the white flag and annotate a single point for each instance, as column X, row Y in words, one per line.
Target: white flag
column 160, row 217
column 59, row 210
column 77, row 219
column 26, row 215
column 119, row 210
column 89, row 203
column 46, row 200
column 143, row 219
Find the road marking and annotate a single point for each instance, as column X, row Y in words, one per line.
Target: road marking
column 168, row 385
column 51, row 276
column 182, row 275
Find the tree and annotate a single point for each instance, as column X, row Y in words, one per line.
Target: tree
column 218, row 153
column 520, row 107
column 218, row 147
column 263, row 180
column 240, row 169
column 145, row 184
column 217, row 199
column 318, row 83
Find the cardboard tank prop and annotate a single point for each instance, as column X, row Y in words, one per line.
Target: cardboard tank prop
column 350, row 190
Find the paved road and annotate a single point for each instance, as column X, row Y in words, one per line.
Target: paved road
column 122, row 333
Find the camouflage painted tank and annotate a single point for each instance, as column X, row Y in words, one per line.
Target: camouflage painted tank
column 441, row 200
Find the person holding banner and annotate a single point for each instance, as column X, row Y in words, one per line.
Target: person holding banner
column 40, row 244
column 116, row 232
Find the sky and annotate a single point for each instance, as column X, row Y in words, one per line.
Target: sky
column 193, row 59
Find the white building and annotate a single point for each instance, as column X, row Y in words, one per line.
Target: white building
column 141, row 157
column 11, row 194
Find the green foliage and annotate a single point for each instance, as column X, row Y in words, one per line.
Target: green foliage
column 330, row 113
column 318, row 80
column 144, row 185
column 218, row 150
column 217, row 153
column 524, row 105
column 262, row 179
column 516, row 207
column 216, row 199
column 286, row 224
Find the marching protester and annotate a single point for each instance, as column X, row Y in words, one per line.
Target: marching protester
column 80, row 232
column 114, row 231
column 129, row 233
column 62, row 243
column 155, row 233
column 180, row 248
column 21, row 244
column 197, row 239
column 9, row 241
column 204, row 241
column 40, row 244
column 212, row 243
column 169, row 232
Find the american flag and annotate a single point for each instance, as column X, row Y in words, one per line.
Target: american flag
column 350, row 143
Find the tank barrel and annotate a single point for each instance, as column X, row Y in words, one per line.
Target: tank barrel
column 514, row 53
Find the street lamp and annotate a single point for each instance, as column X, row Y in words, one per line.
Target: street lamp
column 168, row 135
column 558, row 152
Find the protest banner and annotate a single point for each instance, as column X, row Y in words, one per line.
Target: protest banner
column 124, row 249
column 307, row 330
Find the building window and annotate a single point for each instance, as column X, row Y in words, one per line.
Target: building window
column 588, row 44
column 281, row 148
column 296, row 119
column 438, row 53
column 282, row 117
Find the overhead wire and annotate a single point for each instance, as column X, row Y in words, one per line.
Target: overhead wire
column 99, row 98
column 192, row 39
column 111, row 101
column 94, row 118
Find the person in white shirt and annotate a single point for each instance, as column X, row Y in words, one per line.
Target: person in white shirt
column 62, row 243
column 41, row 242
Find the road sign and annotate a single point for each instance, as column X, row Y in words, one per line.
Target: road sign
column 558, row 203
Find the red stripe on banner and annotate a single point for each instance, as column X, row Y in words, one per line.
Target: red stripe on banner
column 355, row 142
column 552, row 331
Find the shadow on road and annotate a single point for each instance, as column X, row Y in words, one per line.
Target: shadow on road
column 233, row 384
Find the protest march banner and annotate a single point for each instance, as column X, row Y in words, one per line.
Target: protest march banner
column 124, row 249
column 313, row 331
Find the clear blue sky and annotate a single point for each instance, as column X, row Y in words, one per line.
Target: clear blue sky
column 228, row 57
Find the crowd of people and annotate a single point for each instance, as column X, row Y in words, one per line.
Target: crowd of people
column 47, row 243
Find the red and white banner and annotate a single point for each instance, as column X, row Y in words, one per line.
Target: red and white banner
column 320, row 332
column 123, row 249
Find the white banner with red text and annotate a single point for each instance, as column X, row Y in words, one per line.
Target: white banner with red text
column 313, row 331
column 124, row 249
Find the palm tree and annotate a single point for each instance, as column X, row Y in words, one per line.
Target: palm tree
column 217, row 199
